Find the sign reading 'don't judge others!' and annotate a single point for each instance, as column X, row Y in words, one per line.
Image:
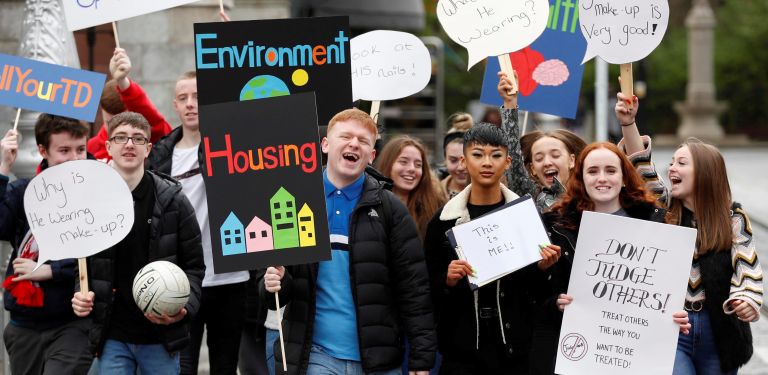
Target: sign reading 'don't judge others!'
column 628, row 277
column 246, row 60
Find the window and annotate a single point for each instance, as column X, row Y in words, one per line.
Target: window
column 303, row 228
column 309, row 235
column 252, row 235
column 276, row 205
column 237, row 240
column 278, row 216
column 227, row 241
column 227, row 232
column 289, row 214
column 264, row 233
column 237, row 232
column 289, row 204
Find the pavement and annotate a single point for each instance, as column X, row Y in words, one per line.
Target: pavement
column 749, row 187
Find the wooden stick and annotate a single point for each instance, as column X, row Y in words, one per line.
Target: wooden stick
column 83, row 270
column 525, row 123
column 16, row 122
column 280, row 328
column 627, row 82
column 505, row 63
column 375, row 105
column 221, row 6
column 114, row 31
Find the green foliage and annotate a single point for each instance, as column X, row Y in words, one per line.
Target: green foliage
column 740, row 65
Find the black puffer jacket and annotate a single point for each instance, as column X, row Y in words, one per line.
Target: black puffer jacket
column 563, row 231
column 174, row 237
column 389, row 287
column 161, row 157
column 456, row 307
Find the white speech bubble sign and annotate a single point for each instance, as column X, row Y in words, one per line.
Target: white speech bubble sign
column 622, row 31
column 78, row 208
column 388, row 65
column 492, row 27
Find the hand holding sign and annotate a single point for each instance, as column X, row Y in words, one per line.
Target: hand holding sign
column 388, row 65
column 77, row 209
column 622, row 31
column 492, row 27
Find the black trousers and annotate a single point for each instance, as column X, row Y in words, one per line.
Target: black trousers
column 60, row 350
column 222, row 311
column 492, row 357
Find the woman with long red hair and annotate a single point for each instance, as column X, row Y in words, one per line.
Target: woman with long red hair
column 603, row 180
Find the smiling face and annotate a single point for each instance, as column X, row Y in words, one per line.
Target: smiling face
column 128, row 157
column 185, row 103
column 551, row 159
column 64, row 147
column 681, row 175
column 453, row 154
column 349, row 146
column 407, row 170
column 486, row 164
column 603, row 179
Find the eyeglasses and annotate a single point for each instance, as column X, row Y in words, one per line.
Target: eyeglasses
column 122, row 139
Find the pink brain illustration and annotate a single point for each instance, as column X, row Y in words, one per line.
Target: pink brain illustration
column 551, row 73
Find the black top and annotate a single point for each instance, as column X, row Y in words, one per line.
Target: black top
column 128, row 322
column 486, row 295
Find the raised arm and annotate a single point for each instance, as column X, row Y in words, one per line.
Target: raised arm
column 746, row 295
column 518, row 179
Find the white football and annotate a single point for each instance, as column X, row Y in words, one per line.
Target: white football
column 161, row 287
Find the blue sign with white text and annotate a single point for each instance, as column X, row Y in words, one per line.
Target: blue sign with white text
column 549, row 70
column 49, row 88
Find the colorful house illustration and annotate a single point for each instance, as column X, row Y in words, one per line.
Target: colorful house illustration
column 232, row 236
column 306, row 226
column 282, row 207
column 258, row 236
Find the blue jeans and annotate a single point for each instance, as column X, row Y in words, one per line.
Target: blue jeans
column 272, row 336
column 121, row 358
column 321, row 363
column 696, row 351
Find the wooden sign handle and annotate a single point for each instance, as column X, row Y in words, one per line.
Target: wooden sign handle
column 280, row 329
column 375, row 106
column 83, row 270
column 505, row 63
column 16, row 122
column 114, row 31
column 627, row 81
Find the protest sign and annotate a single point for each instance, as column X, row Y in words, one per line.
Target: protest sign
column 78, row 208
column 49, row 88
column 628, row 277
column 492, row 27
column 388, row 65
column 500, row 242
column 244, row 60
column 86, row 13
column 622, row 31
column 264, row 181
column 549, row 70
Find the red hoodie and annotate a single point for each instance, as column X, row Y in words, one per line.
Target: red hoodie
column 135, row 100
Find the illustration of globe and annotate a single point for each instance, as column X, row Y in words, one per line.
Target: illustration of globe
column 264, row 86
